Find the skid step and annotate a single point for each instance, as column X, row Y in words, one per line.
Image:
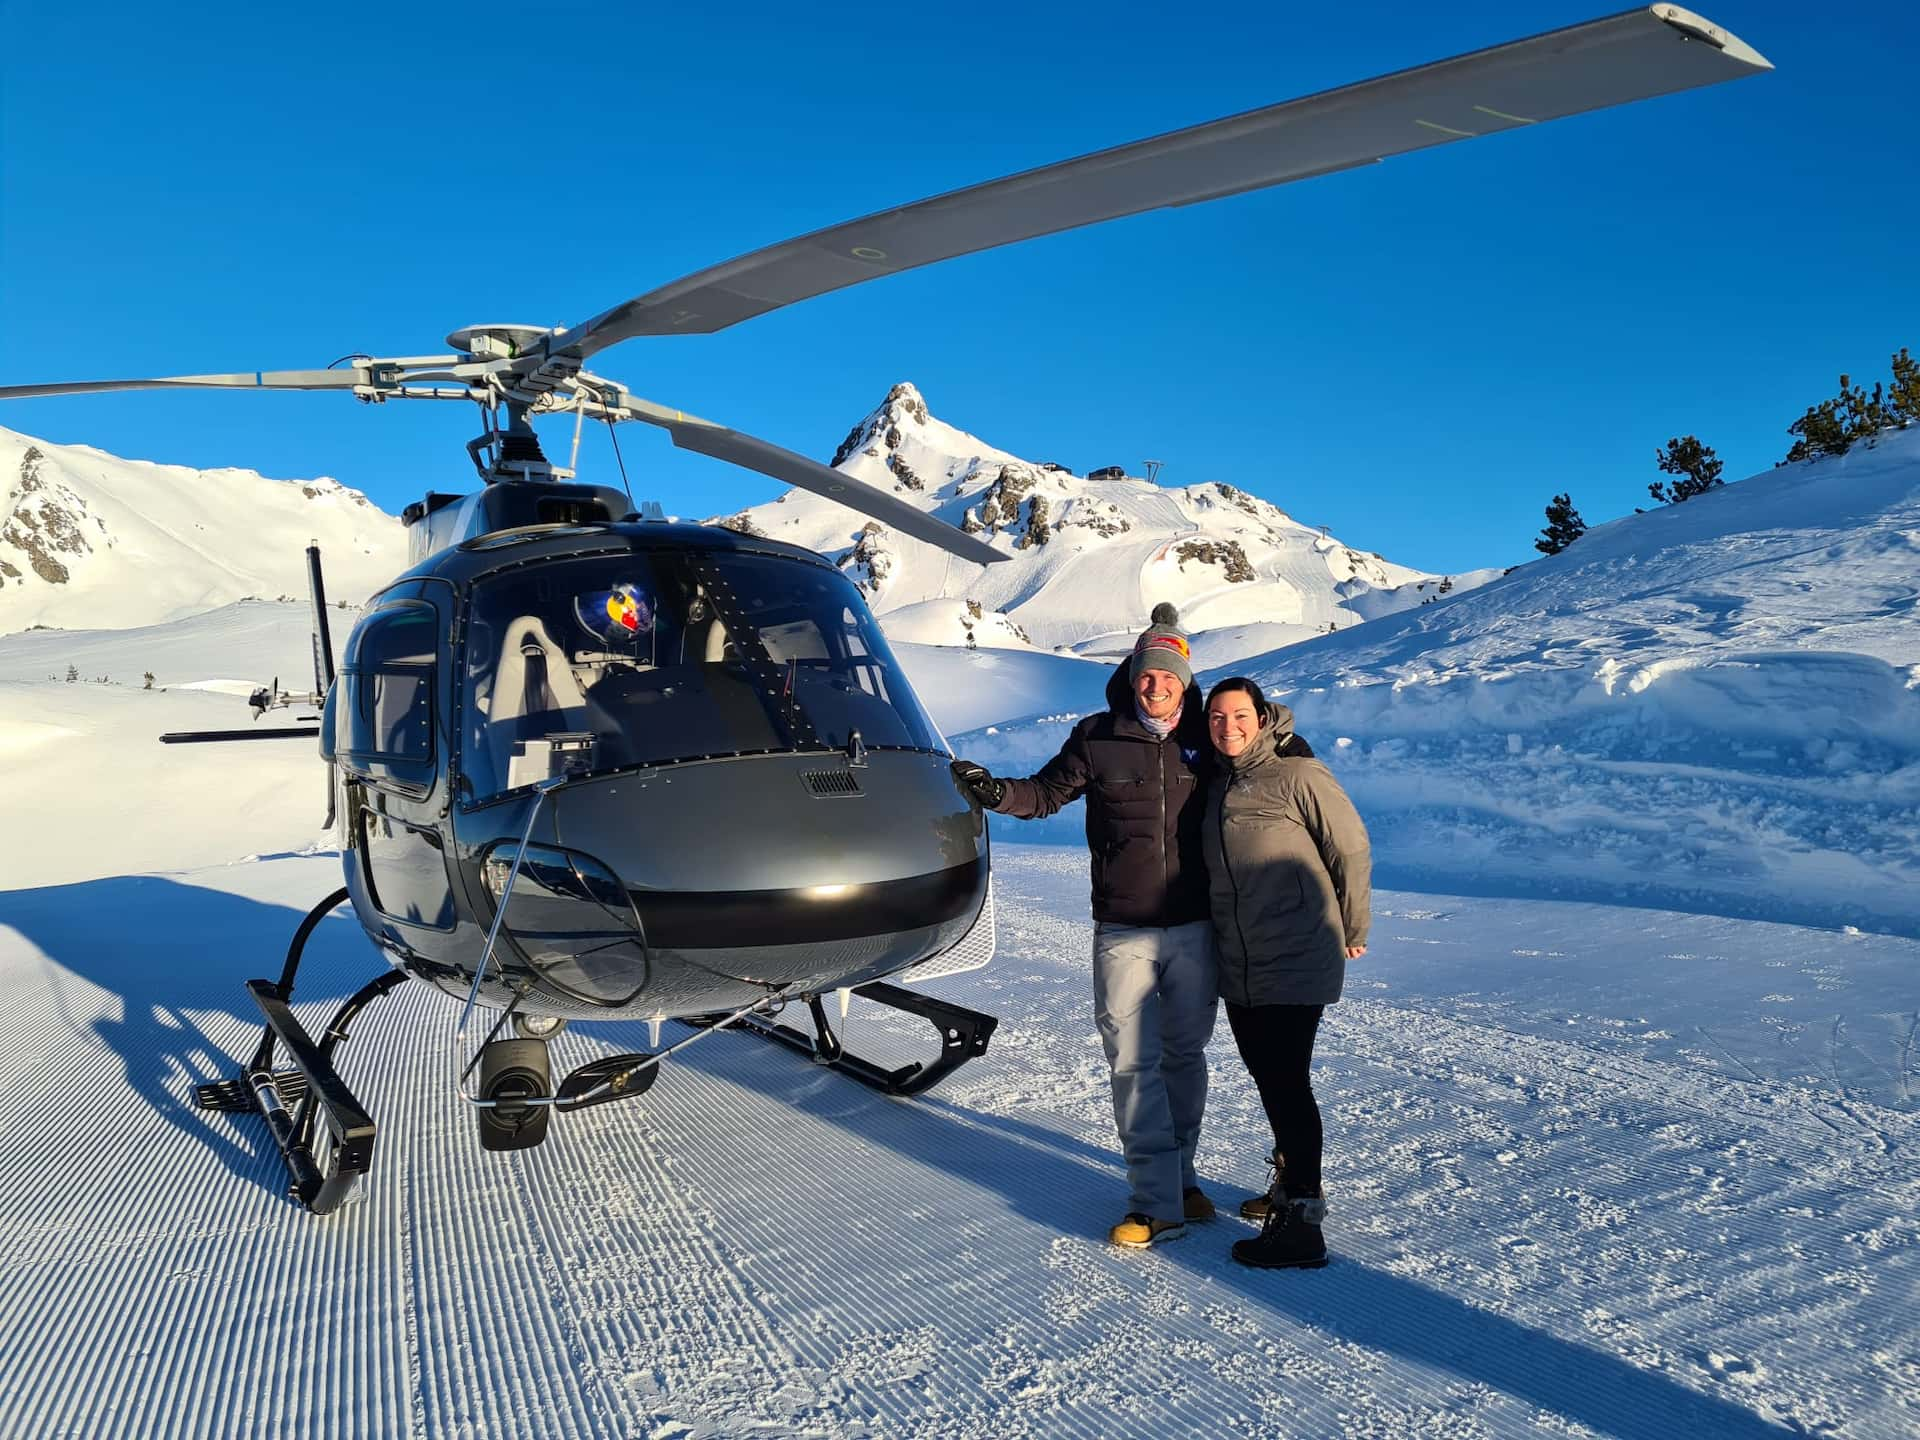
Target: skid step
column 237, row 1096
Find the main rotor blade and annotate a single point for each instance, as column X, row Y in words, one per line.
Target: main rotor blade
column 1631, row 56
column 690, row 432
column 251, row 380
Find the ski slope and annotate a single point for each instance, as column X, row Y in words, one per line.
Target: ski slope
column 1591, row 1171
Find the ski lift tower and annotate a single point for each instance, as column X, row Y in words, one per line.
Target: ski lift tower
column 1153, row 470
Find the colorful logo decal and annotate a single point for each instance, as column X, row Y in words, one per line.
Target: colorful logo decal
column 628, row 610
column 1175, row 643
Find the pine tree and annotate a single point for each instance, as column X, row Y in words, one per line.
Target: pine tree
column 1564, row 526
column 1693, row 462
column 1903, row 400
column 73, row 673
column 1833, row 426
column 1821, row 432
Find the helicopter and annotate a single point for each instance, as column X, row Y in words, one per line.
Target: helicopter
column 589, row 763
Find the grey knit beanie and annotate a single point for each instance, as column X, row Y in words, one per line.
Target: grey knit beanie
column 1162, row 646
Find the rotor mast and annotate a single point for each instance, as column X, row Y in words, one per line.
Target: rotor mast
column 509, row 448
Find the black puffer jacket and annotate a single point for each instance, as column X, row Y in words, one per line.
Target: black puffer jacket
column 1146, row 802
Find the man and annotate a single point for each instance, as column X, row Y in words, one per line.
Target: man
column 1140, row 765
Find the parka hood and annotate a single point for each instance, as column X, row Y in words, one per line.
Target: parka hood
column 1276, row 739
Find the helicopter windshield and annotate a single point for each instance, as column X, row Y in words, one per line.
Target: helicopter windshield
column 614, row 661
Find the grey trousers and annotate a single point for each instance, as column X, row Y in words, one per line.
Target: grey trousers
column 1155, row 996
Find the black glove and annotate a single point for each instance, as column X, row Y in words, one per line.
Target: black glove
column 979, row 783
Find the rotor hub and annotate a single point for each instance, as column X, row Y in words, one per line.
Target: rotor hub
column 498, row 342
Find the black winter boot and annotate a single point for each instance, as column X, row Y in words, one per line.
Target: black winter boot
column 1290, row 1235
column 1255, row 1207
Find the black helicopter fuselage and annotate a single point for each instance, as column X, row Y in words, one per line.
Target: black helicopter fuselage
column 733, row 791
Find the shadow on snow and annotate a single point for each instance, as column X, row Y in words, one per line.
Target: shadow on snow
column 178, row 957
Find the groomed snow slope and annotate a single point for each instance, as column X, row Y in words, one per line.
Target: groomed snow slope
column 1590, row 1173
column 1711, row 706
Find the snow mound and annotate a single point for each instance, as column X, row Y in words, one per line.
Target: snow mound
column 1710, row 706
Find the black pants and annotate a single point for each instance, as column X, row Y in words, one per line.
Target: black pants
column 1276, row 1045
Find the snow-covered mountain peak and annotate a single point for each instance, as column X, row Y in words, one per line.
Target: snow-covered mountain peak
column 1090, row 555
column 88, row 540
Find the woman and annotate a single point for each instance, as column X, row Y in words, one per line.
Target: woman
column 1289, row 874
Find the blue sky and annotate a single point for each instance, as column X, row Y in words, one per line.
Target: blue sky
column 1418, row 355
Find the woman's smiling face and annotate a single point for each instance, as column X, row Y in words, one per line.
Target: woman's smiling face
column 1232, row 721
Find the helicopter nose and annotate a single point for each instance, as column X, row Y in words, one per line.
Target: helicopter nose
column 765, row 863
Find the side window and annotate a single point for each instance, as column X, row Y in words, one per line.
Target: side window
column 385, row 723
column 406, row 871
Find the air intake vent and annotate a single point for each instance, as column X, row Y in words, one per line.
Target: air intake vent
column 831, row 783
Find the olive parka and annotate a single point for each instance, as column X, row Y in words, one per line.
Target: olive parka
column 1145, row 800
column 1290, row 870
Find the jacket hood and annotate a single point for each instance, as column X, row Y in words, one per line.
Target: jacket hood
column 1276, row 738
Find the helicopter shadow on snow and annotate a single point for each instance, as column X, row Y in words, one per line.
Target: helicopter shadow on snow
column 1073, row 1189
column 178, row 957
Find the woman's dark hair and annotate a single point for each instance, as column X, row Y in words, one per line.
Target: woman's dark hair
column 1249, row 688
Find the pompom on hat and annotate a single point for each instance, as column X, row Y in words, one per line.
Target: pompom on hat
column 1163, row 646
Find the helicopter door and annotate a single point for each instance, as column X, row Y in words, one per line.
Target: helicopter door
column 387, row 745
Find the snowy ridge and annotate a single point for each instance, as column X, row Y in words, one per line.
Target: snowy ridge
column 1090, row 558
column 91, row 541
column 1712, row 705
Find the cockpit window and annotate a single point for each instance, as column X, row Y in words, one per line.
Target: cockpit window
column 614, row 661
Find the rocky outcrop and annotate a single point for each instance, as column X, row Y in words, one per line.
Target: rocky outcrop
column 975, row 614
column 1008, row 505
column 45, row 521
column 869, row 562
column 1227, row 554
column 325, row 489
column 1102, row 517
column 1240, row 500
column 1367, row 566
column 903, row 474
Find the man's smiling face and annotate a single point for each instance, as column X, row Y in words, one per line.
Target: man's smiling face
column 1159, row 693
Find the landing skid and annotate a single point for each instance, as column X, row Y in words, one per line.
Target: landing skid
column 963, row 1036
column 326, row 1137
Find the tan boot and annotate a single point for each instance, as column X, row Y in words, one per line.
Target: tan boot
column 1138, row 1231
